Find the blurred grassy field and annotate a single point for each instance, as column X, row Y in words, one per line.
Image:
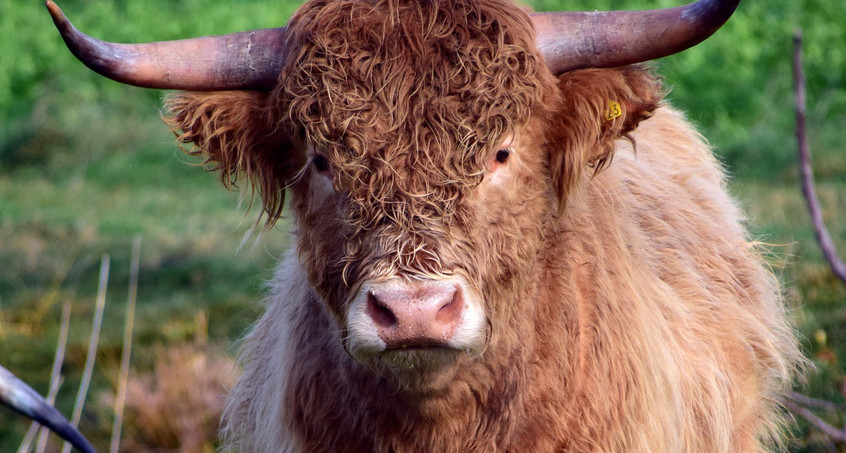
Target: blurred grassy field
column 86, row 165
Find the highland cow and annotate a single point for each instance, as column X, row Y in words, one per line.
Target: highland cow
column 505, row 239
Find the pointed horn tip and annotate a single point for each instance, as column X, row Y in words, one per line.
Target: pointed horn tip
column 55, row 11
column 59, row 18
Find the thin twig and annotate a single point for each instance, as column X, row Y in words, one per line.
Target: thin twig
column 55, row 383
column 92, row 347
column 835, row 434
column 120, row 400
column 26, row 443
column 797, row 403
column 55, row 373
column 809, row 402
column 823, row 237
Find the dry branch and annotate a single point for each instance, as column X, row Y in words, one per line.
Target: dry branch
column 816, row 403
column 92, row 347
column 808, row 190
column 55, row 383
column 797, row 403
column 120, row 399
column 833, row 433
column 55, row 372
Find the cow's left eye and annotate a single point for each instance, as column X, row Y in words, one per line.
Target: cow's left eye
column 502, row 155
column 321, row 164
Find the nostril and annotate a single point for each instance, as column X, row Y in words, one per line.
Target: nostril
column 381, row 315
column 450, row 311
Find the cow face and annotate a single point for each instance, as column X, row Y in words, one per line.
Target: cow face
column 426, row 148
column 425, row 281
column 421, row 206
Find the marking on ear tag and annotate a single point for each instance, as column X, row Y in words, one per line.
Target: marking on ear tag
column 614, row 110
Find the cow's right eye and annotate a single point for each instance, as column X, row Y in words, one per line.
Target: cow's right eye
column 321, row 164
column 502, row 155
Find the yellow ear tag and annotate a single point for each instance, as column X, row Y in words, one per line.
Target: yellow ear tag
column 614, row 111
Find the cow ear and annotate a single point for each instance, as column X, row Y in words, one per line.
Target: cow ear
column 235, row 134
column 599, row 106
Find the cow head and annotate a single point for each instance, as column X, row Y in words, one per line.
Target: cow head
column 426, row 148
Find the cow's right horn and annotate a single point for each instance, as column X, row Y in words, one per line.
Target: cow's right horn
column 246, row 60
column 572, row 40
column 21, row 397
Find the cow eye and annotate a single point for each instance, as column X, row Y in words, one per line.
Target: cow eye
column 502, row 155
column 321, row 164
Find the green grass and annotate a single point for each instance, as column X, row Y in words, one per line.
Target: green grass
column 60, row 215
column 85, row 165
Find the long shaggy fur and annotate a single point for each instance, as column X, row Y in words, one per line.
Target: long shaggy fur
column 234, row 134
column 627, row 308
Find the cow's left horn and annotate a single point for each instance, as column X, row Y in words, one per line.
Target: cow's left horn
column 246, row 60
column 572, row 40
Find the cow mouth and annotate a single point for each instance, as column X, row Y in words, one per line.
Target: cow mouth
column 411, row 361
column 418, row 347
column 418, row 357
column 420, row 367
column 422, row 357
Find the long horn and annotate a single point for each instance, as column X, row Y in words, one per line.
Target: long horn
column 252, row 60
column 248, row 60
column 21, row 397
column 602, row 39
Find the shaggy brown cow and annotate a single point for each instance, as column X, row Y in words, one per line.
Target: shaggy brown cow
column 465, row 278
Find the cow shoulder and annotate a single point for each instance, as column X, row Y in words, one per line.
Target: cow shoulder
column 660, row 218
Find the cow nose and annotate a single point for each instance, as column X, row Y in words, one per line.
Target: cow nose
column 415, row 314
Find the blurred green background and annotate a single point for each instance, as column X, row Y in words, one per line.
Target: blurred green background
column 86, row 164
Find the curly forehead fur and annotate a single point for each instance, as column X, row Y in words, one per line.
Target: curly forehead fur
column 409, row 99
